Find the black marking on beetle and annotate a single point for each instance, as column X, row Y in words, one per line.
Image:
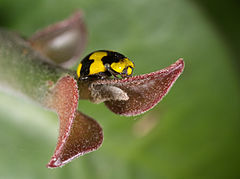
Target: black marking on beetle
column 112, row 57
column 86, row 63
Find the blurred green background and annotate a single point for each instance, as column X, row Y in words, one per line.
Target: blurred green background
column 193, row 133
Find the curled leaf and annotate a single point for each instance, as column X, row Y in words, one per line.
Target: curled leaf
column 62, row 42
column 78, row 133
column 85, row 136
column 143, row 91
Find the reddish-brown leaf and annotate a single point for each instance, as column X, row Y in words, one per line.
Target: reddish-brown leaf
column 144, row 91
column 78, row 133
column 85, row 136
column 62, row 42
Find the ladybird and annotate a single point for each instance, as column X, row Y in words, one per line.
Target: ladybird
column 105, row 63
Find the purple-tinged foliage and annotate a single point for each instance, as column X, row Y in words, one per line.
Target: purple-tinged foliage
column 62, row 42
column 78, row 133
column 143, row 91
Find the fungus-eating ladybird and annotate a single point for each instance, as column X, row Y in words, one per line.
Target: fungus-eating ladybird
column 104, row 63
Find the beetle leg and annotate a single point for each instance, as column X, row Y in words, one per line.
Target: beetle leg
column 103, row 75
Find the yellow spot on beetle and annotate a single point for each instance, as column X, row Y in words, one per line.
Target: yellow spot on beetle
column 79, row 69
column 118, row 66
column 97, row 66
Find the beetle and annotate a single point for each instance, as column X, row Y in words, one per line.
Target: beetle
column 105, row 63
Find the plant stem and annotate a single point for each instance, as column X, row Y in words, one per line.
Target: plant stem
column 24, row 69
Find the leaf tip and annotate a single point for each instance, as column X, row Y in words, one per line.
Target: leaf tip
column 145, row 91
